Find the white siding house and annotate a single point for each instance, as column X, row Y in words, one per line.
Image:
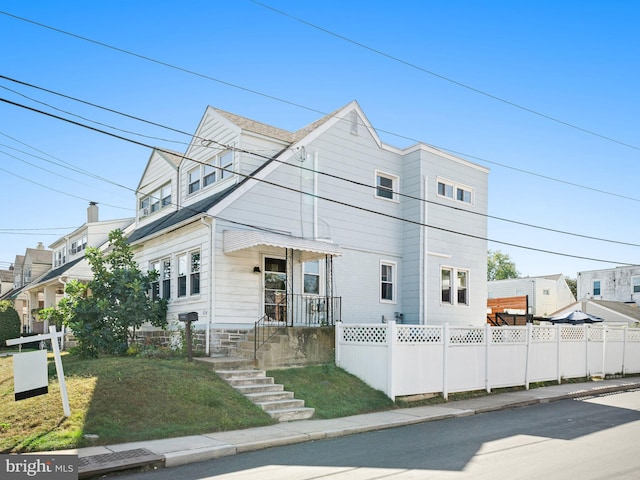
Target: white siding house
column 547, row 294
column 323, row 224
column 620, row 284
column 66, row 261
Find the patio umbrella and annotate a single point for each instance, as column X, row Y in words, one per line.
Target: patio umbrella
column 576, row 317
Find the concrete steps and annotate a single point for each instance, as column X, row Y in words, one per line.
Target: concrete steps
column 271, row 397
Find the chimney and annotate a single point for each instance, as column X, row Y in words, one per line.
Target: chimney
column 92, row 212
column 40, row 246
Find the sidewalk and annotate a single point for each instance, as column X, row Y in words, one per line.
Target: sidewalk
column 172, row 452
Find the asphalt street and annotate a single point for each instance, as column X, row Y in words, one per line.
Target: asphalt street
column 593, row 437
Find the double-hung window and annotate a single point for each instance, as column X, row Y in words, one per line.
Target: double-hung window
column 454, row 286
column 166, row 279
column 194, row 180
column 217, row 168
column 455, row 191
column 635, row 284
column 188, row 278
column 195, row 273
column 155, row 285
column 596, row 287
column 312, row 277
column 156, row 201
column 386, row 186
column 387, row 282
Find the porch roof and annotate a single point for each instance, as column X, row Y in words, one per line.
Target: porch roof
column 235, row 240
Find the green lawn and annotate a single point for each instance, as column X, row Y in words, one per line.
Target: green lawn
column 121, row 399
column 125, row 399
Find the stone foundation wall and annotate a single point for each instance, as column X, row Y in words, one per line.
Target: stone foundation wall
column 225, row 342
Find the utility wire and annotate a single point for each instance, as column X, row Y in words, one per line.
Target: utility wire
column 298, row 105
column 442, row 77
column 453, row 207
column 319, row 197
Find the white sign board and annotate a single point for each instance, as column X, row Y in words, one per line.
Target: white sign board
column 30, row 376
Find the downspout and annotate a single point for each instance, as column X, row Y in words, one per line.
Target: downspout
column 315, row 195
column 211, row 284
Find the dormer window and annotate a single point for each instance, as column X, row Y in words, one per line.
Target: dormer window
column 156, row 201
column 218, row 168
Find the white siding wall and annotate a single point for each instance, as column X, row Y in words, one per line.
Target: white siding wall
column 157, row 173
column 184, row 240
column 616, row 284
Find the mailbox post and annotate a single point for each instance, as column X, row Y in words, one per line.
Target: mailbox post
column 187, row 318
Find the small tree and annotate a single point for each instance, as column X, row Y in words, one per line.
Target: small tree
column 572, row 283
column 9, row 322
column 500, row 266
column 118, row 303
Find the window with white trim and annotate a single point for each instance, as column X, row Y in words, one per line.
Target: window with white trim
column 455, row 191
column 218, row 168
column 596, row 287
column 79, row 245
column 166, row 279
column 386, row 186
column 155, row 285
column 194, row 273
column 454, row 286
column 635, row 284
column 60, row 257
column 188, row 275
column 156, row 201
column 387, row 282
column 311, row 275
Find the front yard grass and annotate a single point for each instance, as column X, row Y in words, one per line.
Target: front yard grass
column 121, row 399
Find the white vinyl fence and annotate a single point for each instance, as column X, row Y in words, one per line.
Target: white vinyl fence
column 405, row 360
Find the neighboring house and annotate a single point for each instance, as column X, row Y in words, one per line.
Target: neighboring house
column 620, row 284
column 34, row 263
column 6, row 281
column 310, row 227
column 12, row 295
column 619, row 313
column 546, row 294
column 66, row 262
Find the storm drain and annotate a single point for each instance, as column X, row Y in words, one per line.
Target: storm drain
column 111, row 462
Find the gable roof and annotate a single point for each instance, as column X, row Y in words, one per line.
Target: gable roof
column 56, row 272
column 628, row 309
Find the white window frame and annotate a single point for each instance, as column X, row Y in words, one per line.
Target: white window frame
column 395, row 182
column 593, row 287
column 452, row 192
column 60, row 257
column 305, row 272
column 393, row 281
column 454, row 288
column 635, row 284
column 217, row 169
column 156, row 201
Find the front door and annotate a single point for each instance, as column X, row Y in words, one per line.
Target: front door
column 275, row 289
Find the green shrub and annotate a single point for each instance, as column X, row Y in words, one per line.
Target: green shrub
column 9, row 323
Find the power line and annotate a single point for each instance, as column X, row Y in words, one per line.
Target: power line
column 288, row 102
column 447, row 79
column 202, row 139
column 319, row 197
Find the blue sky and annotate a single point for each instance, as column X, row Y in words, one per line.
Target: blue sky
column 543, row 93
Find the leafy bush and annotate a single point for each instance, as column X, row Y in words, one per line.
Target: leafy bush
column 9, row 323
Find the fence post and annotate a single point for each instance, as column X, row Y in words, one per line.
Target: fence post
column 624, row 346
column 487, row 357
column 586, row 348
column 338, row 334
column 558, row 344
column 445, row 361
column 528, row 356
column 391, row 341
column 604, row 351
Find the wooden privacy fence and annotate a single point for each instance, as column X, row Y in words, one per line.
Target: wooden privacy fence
column 405, row 360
